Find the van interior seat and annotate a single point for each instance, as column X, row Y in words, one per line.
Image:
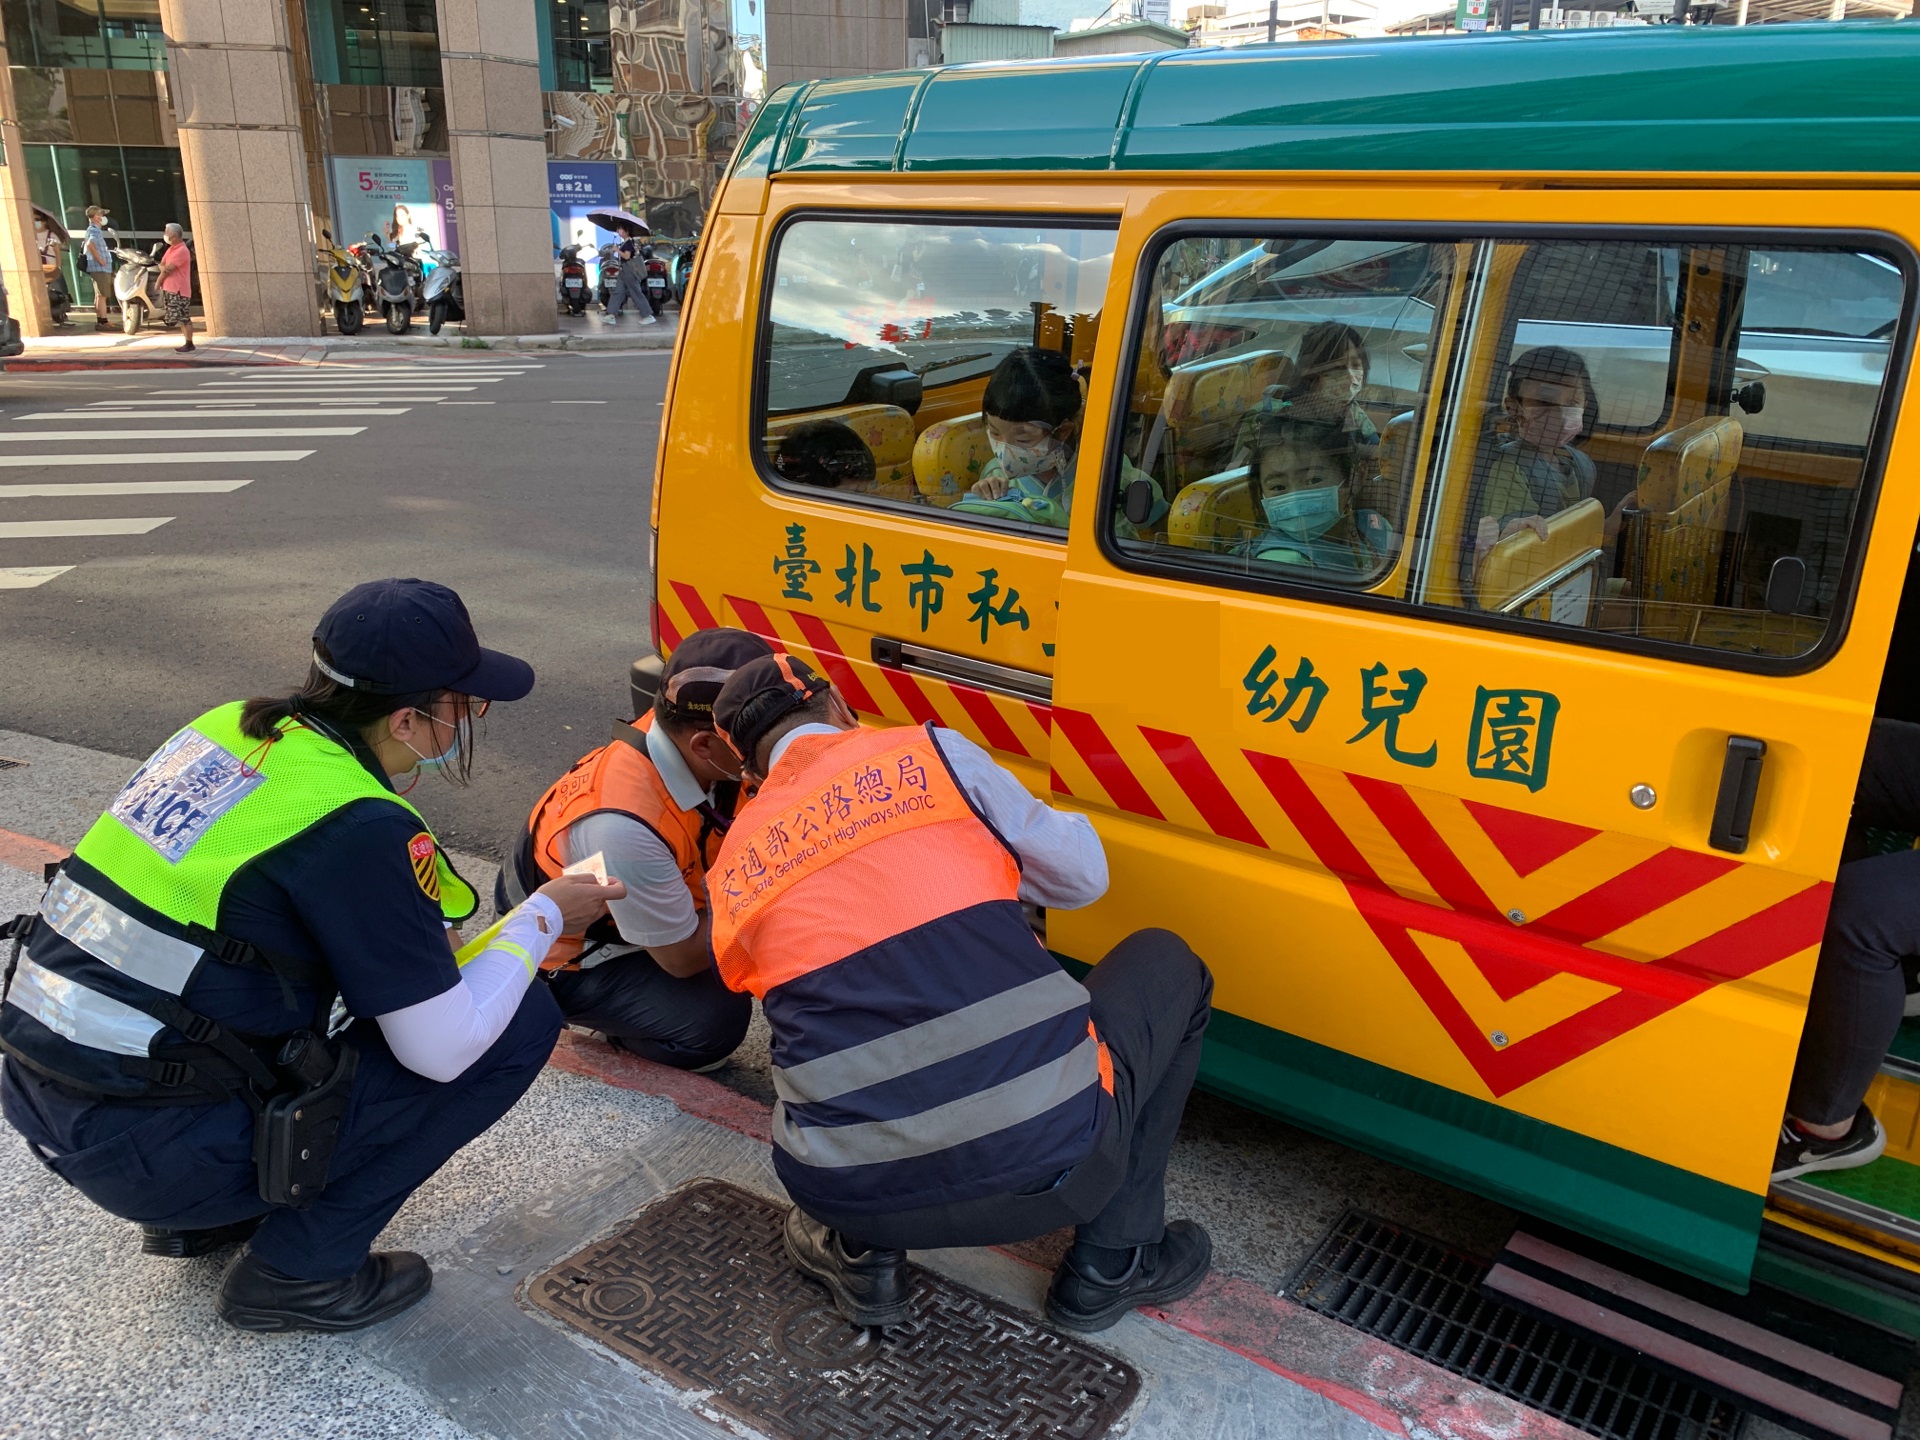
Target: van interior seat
column 1685, row 494
column 1521, row 561
column 947, row 458
column 1204, row 404
column 1214, row 514
column 1386, row 491
column 886, row 429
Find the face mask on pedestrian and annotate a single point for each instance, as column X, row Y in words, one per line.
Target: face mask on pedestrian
column 1548, row 427
column 1303, row 514
column 1031, row 458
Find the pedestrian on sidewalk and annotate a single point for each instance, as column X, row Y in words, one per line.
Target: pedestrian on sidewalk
column 942, row 1081
column 99, row 257
column 630, row 286
column 168, row 1028
column 176, row 285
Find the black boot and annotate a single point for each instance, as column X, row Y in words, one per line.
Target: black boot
column 1081, row 1299
column 186, row 1244
column 255, row 1296
column 869, row 1289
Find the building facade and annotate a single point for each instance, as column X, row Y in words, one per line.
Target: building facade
column 482, row 124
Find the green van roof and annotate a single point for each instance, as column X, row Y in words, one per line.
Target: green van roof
column 1836, row 98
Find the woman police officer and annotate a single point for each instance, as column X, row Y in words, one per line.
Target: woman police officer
column 166, row 1017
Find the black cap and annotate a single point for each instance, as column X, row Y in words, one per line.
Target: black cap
column 406, row 637
column 759, row 696
column 702, row 665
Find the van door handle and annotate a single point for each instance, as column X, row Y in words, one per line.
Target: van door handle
column 1739, row 782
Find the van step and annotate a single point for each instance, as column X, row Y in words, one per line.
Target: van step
column 1903, row 1056
column 1883, row 1198
column 1766, row 1352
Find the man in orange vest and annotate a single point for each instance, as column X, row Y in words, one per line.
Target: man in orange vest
column 652, row 805
column 941, row 1080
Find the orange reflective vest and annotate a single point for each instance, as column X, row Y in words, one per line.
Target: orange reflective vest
column 926, row 1048
column 619, row 778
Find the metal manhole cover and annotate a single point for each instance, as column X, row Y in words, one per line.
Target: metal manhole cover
column 698, row 1289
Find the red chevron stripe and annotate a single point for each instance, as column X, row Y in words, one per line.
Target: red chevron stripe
column 1203, row 787
column 1058, row 785
column 1083, row 732
column 1634, row 894
column 918, row 704
column 1324, row 837
column 1043, row 714
column 663, row 630
column 984, row 713
column 1413, row 832
column 696, row 607
column 834, row 661
column 757, row 620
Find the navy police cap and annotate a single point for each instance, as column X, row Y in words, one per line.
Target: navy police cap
column 408, row 637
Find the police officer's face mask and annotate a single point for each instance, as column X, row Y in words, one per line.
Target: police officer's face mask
column 447, row 756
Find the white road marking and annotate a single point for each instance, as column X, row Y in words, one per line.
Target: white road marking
column 272, row 382
column 264, row 432
column 169, row 414
column 25, row 577
column 53, row 490
column 579, row 402
column 54, row 529
column 155, row 457
column 330, row 386
column 466, row 402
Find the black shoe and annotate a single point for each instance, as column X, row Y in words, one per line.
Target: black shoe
column 186, row 1244
column 870, row 1290
column 1080, row 1300
column 255, row 1296
column 1800, row 1153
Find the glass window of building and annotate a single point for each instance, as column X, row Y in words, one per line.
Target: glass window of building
column 85, row 34
column 374, row 42
column 582, row 46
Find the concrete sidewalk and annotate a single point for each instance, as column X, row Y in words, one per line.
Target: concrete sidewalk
column 88, row 349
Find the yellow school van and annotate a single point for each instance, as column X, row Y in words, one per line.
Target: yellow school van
column 1504, row 796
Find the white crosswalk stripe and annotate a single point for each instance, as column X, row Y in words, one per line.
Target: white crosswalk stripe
column 161, row 418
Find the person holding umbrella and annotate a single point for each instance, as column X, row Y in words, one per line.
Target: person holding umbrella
column 630, row 287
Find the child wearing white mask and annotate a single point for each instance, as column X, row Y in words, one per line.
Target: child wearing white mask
column 1301, row 478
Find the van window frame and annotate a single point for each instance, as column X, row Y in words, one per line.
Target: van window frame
column 758, row 413
column 1873, row 467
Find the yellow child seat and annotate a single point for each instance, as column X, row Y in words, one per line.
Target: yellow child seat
column 1556, row 579
column 1686, row 494
column 1214, row 514
column 887, row 431
column 1204, row 405
column 947, row 458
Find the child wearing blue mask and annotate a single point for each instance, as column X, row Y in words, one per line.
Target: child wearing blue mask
column 1301, row 476
column 1033, row 410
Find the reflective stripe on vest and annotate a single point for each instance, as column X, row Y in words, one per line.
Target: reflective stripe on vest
column 618, row 778
column 926, row 1048
column 86, row 1017
column 112, row 936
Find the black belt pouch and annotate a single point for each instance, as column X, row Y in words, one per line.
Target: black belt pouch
column 296, row 1132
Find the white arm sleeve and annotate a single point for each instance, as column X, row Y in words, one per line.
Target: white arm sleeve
column 441, row 1037
column 1062, row 864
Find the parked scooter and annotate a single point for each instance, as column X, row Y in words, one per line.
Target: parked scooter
column 59, row 302
column 658, row 287
column 346, row 285
column 573, row 281
column 442, row 293
column 683, row 255
column 609, row 271
column 136, row 285
column 395, row 277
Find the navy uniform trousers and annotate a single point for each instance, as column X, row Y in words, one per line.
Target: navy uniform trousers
column 191, row 1167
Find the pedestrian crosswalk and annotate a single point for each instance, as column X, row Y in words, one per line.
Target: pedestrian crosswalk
column 170, row 428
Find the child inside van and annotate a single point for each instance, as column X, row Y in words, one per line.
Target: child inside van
column 1330, row 370
column 826, row 453
column 1537, row 473
column 1301, row 476
column 1033, row 408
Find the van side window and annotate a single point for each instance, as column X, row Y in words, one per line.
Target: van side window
column 1277, row 390
column 1659, row 442
column 933, row 365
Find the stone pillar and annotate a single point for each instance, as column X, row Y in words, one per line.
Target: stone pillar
column 490, row 68
column 19, row 255
column 490, row 65
column 230, row 70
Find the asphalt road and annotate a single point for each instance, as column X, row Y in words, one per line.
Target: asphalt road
column 532, row 504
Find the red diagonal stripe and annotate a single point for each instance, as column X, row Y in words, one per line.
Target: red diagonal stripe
column 1083, row 732
column 1782, row 929
column 1413, row 832
column 912, row 696
column 756, row 619
column 696, row 607
column 1043, row 714
column 984, row 713
column 1323, row 835
column 1058, row 785
column 1203, row 787
column 663, row 630
column 1634, row 894
column 834, row 660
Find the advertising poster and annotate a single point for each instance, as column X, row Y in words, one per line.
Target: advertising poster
column 1471, row 15
column 573, row 188
column 395, row 198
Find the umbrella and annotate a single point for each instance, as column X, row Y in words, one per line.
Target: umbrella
column 619, row 220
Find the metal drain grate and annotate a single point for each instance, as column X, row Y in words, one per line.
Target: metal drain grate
column 1419, row 1295
column 697, row 1288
